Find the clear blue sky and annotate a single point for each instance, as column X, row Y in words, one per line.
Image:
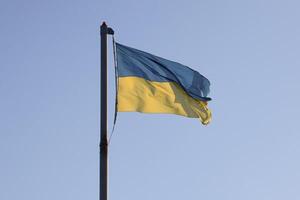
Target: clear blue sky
column 49, row 101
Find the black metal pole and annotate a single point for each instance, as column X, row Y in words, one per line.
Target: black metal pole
column 103, row 185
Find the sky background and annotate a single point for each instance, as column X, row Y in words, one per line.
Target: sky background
column 49, row 101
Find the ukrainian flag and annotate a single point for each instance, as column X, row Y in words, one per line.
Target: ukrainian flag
column 150, row 84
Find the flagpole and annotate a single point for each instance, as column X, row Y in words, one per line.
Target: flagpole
column 103, row 180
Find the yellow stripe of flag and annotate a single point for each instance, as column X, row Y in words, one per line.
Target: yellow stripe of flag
column 139, row 95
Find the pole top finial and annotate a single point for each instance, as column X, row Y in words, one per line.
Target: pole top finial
column 105, row 29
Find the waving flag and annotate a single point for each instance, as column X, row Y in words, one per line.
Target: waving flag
column 151, row 84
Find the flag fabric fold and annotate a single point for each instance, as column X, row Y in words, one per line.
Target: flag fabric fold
column 151, row 84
